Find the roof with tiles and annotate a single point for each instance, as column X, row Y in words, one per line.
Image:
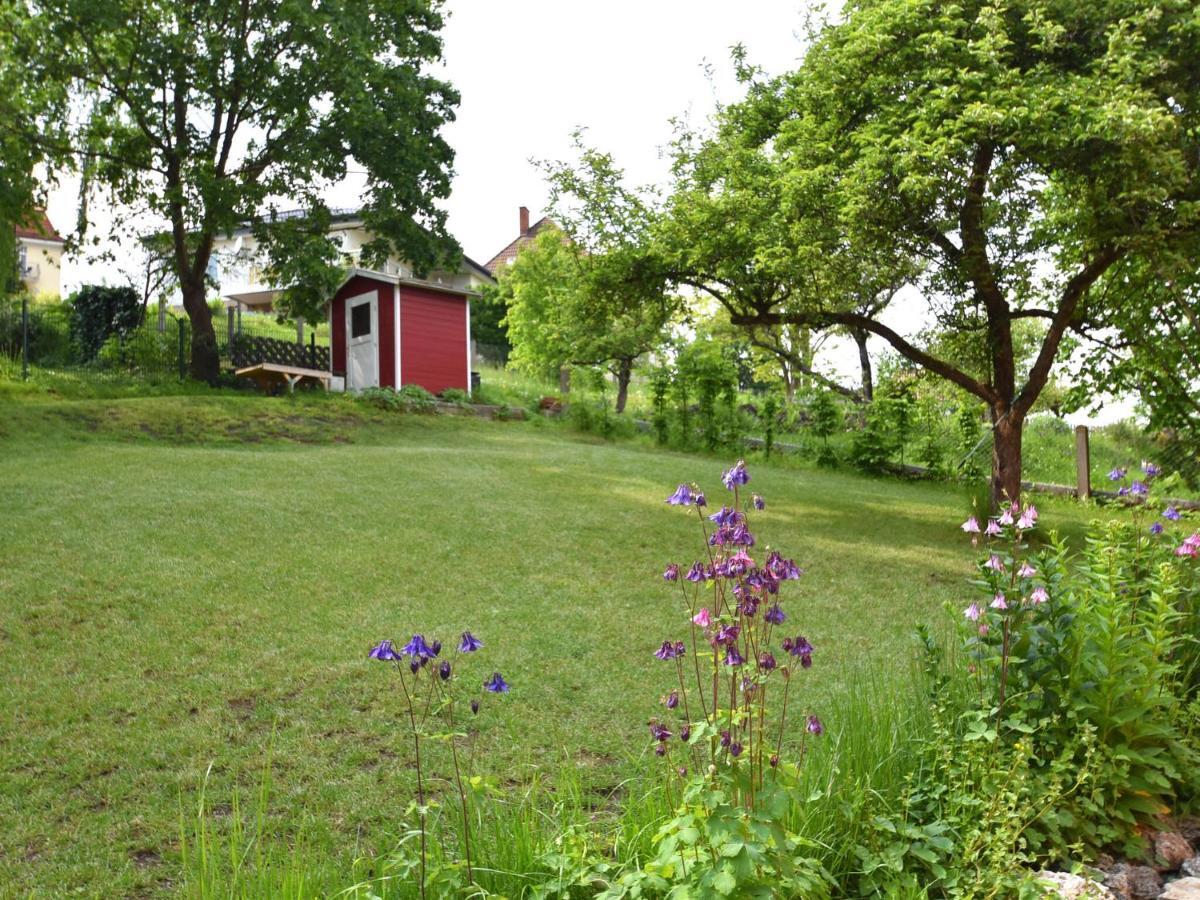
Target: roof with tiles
column 37, row 227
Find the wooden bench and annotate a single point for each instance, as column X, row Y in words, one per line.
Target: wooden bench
column 267, row 374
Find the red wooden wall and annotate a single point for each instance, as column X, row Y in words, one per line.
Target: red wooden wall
column 433, row 339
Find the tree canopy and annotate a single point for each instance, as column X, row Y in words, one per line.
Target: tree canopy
column 207, row 116
column 1007, row 155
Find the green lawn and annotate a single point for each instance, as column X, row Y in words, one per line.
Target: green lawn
column 193, row 582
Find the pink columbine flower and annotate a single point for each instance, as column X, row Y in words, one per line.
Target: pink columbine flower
column 998, row 602
column 971, row 526
column 973, row 612
column 993, row 528
column 1026, row 570
column 1006, row 517
column 1028, row 518
column 1039, row 595
column 703, row 618
column 995, row 563
column 983, row 629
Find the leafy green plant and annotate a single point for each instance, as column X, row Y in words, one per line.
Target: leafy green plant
column 410, row 398
column 872, row 446
column 99, row 312
column 826, row 421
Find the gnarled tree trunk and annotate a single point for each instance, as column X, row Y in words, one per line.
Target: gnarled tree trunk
column 624, row 372
column 1006, row 456
column 864, row 363
column 206, row 362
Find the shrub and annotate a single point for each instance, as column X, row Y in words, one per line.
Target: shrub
column 49, row 332
column 872, row 446
column 826, row 421
column 410, row 398
column 456, row 396
column 99, row 312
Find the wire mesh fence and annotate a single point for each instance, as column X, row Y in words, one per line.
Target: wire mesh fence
column 38, row 337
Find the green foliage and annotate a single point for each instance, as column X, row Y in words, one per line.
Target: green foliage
column 457, row 396
column 660, row 381
column 99, row 313
column 971, row 450
column 826, row 421
column 49, row 329
column 872, row 446
column 714, row 847
column 411, row 398
column 770, row 421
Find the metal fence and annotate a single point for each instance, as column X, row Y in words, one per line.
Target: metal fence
column 37, row 338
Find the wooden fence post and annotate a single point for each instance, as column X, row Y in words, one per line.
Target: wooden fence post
column 1083, row 463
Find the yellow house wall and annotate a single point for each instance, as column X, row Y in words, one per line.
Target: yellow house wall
column 46, row 261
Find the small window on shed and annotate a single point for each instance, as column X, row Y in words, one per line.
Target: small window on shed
column 360, row 320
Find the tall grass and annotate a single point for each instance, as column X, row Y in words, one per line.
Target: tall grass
column 528, row 836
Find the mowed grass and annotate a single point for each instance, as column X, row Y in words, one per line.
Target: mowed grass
column 189, row 587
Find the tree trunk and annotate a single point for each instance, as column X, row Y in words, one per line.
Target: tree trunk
column 206, row 362
column 789, row 383
column 1006, row 457
column 624, row 371
column 564, row 380
column 864, row 362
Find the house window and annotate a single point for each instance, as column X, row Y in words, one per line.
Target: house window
column 22, row 260
column 360, row 320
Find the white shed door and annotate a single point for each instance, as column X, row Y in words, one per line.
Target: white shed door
column 362, row 342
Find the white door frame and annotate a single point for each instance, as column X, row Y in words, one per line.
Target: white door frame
column 371, row 297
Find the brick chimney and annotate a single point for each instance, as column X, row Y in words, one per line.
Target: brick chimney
column 524, row 221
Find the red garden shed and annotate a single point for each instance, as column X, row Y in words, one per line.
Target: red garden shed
column 388, row 332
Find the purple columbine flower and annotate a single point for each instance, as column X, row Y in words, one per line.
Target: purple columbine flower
column 696, row 573
column 469, row 643
column 474, row 705
column 727, row 634
column 814, row 726
column 725, row 516
column 415, row 664
column 735, row 749
column 973, row 612
column 725, row 739
column 993, row 528
column 736, row 476
column 672, row 700
column 444, row 670
column 660, row 750
column 774, row 760
column 670, row 650
column 732, row 657
column 660, row 732
column 1117, row 474
column 1139, row 489
column 1171, row 514
column 759, row 502
column 418, row 649
column 1122, row 491
column 1156, row 528
column 681, row 497
column 766, row 661
column 1150, row 470
column 496, row 684
column 748, row 607
column 384, row 652
column 685, row 732
column 775, row 615
column 971, row 526
column 740, row 563
column 699, row 499
column 671, row 573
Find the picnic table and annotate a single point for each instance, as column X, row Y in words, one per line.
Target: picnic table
column 268, row 374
